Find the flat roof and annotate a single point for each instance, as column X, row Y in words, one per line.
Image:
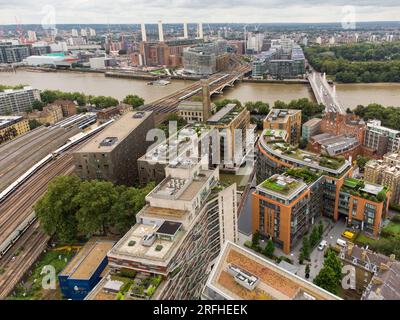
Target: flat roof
column 282, row 186
column 169, row 228
column 222, row 113
column 88, row 259
column 275, row 283
column 118, row 131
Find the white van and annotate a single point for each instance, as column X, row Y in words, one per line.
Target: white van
column 341, row 243
column 322, row 245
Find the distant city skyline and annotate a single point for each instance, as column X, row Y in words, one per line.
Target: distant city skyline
column 211, row 11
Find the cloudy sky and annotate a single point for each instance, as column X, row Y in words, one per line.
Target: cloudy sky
column 136, row 11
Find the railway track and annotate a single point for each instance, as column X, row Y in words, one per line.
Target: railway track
column 14, row 160
column 19, row 205
column 14, row 266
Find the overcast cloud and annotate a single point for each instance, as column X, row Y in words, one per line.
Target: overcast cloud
column 136, row 11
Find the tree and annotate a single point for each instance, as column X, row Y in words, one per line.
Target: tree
column 95, row 200
column 130, row 202
column 306, row 248
column 333, row 262
column 314, row 237
column 326, row 279
column 133, row 100
column 33, row 123
column 320, row 230
column 303, row 143
column 56, row 209
column 222, row 103
column 269, row 249
column 255, row 240
column 38, row 105
column 307, row 271
column 362, row 161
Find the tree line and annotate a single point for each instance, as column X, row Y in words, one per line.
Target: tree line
column 101, row 102
column 389, row 116
column 72, row 208
column 357, row 62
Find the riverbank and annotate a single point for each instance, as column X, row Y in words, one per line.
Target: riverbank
column 287, row 81
column 95, row 83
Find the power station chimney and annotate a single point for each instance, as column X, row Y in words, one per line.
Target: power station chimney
column 200, row 31
column 144, row 36
column 206, row 99
column 160, row 31
column 185, row 31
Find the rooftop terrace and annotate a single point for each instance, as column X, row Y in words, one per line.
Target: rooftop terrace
column 273, row 142
column 111, row 136
column 283, row 186
column 274, row 283
column 225, row 115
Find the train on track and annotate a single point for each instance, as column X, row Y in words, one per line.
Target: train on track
column 14, row 236
column 18, row 232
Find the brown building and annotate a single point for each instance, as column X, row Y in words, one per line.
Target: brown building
column 331, row 145
column 50, row 114
column 68, row 107
column 112, row 155
column 339, row 124
column 285, row 119
column 376, row 275
column 168, row 53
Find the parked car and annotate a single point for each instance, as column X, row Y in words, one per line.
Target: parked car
column 322, row 245
column 348, row 235
column 341, row 242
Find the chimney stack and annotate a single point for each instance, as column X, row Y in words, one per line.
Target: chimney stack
column 206, row 99
column 185, row 31
column 363, row 254
column 144, row 36
column 200, row 31
column 350, row 249
column 160, row 31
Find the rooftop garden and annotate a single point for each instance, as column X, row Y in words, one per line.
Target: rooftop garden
column 331, row 162
column 355, row 188
column 304, row 173
column 136, row 286
column 273, row 184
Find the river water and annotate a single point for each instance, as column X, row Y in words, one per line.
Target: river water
column 350, row 95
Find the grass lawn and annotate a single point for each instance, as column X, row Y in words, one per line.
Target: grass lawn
column 363, row 240
column 393, row 227
column 32, row 289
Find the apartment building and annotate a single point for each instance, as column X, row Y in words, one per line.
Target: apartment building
column 376, row 275
column 112, row 155
column 178, row 235
column 285, row 119
column 338, row 124
column 11, row 127
column 50, row 114
column 311, row 128
column 13, row 53
column 385, row 172
column 15, row 101
column 380, row 140
column 192, row 111
column 239, row 274
column 192, row 140
column 332, row 192
column 236, row 136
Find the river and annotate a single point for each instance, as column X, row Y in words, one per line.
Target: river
column 350, row 95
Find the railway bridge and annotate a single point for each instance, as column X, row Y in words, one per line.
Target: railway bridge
column 217, row 82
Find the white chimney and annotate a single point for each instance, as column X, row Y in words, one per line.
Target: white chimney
column 144, row 36
column 185, row 31
column 160, row 31
column 200, row 31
